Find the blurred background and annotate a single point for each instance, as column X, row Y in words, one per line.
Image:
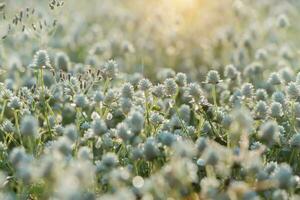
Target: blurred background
column 146, row 36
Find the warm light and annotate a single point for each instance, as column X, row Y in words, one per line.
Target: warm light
column 186, row 15
column 184, row 19
column 183, row 4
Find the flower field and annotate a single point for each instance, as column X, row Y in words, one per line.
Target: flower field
column 149, row 100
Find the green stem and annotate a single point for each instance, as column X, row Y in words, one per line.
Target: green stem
column 9, row 138
column 3, row 110
column 49, row 108
column 214, row 95
column 147, row 114
column 42, row 83
column 30, row 144
column 182, row 122
column 17, row 126
column 293, row 114
column 78, row 118
column 210, row 171
column 106, row 84
column 293, row 154
column 48, row 126
column 228, row 140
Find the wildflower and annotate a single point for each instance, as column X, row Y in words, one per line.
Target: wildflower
column 15, row 103
column 253, row 69
column 81, row 100
column 109, row 160
column 278, row 97
column 150, row 149
column 280, row 195
column 136, row 121
column 224, row 97
column 181, row 79
column 213, row 77
column 261, row 54
column 261, row 95
column 9, row 84
column 85, row 125
column 59, row 129
column 136, row 154
column 261, row 109
column 270, row 167
column 99, row 127
column 158, row 90
column 201, row 144
column 6, row 94
column 29, row 126
column 156, row 119
column 236, row 98
column 17, row 156
column 185, row 113
column 274, row 79
column 166, row 138
column 194, row 90
column 70, row 132
column 127, row 91
column 110, row 97
column 166, row 73
column 269, row 132
column 284, row 176
column 7, row 126
column 276, row 109
column 206, row 128
column 62, row 61
column 123, row 131
column 286, row 74
column 98, row 96
column 125, row 104
column 111, row 68
column 85, row 153
column 145, row 85
column 170, row 87
column 226, row 121
column 41, row 60
column 247, row 90
column 231, row 72
column 293, row 90
column 295, row 141
column 135, row 78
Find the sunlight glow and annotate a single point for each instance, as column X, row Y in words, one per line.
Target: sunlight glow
column 191, row 15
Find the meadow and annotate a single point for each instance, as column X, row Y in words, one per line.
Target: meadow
column 149, row 99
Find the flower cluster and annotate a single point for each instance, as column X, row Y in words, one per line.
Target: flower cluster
column 79, row 119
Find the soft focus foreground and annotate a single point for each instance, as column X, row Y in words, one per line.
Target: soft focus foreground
column 162, row 99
